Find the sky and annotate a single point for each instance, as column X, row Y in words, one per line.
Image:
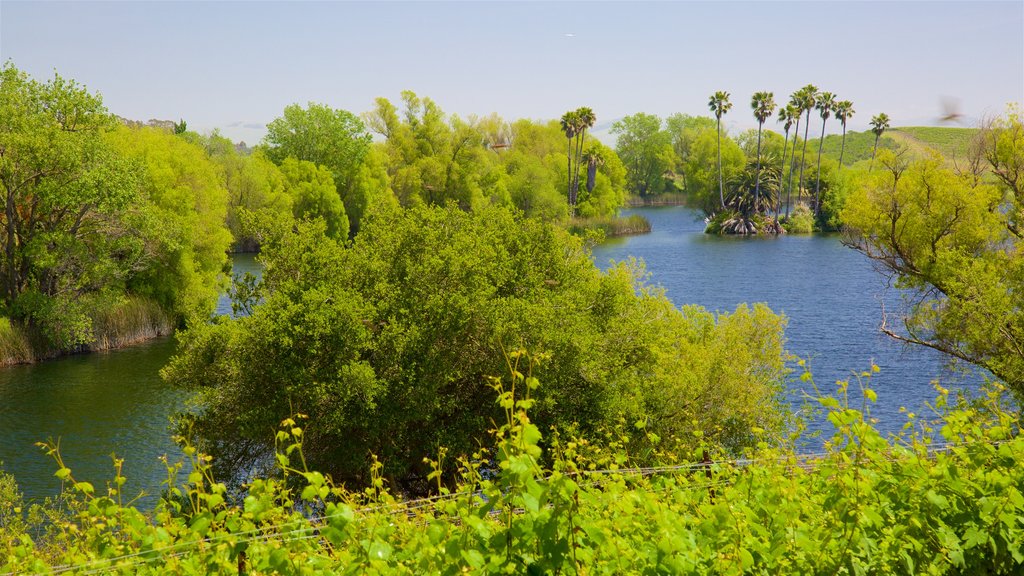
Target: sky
column 234, row 66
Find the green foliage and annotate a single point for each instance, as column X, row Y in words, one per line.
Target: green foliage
column 646, row 152
column 313, row 195
column 611, row 227
column 334, row 139
column 253, row 182
column 702, row 169
column 947, row 499
column 183, row 215
column 800, row 221
column 953, row 241
column 385, row 345
column 93, row 212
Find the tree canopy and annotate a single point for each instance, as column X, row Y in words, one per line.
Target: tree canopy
column 387, row 345
column 953, row 240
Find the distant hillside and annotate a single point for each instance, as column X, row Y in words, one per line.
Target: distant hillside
column 952, row 143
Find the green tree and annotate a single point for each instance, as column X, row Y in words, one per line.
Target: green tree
column 954, row 243
column 387, row 344
column 253, row 182
column 575, row 125
column 719, row 105
column 701, row 169
column 62, row 182
column 825, row 102
column 182, row 214
column 336, row 139
column 879, row 124
column 763, row 104
column 683, row 130
column 646, row 151
column 844, row 111
column 314, row 195
column 807, row 98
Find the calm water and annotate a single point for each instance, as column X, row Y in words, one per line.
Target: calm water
column 96, row 405
column 115, row 403
column 831, row 295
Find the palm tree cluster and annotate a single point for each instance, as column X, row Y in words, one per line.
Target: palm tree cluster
column 575, row 124
column 799, row 107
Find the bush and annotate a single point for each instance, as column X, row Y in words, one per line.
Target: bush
column 800, row 221
column 386, row 345
column 933, row 503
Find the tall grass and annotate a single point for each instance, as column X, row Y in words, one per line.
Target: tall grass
column 128, row 321
column 612, row 225
column 116, row 323
column 15, row 344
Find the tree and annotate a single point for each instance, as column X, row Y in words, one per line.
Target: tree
column 702, row 171
column 61, row 179
column 808, row 97
column 595, row 159
column 763, row 104
column 575, row 125
column 844, row 111
column 719, row 105
column 67, row 195
column 646, row 151
column 879, row 124
column 786, row 116
column 684, row 130
column 314, row 195
column 950, row 242
column 387, row 345
column 336, row 139
column 253, row 182
column 826, row 100
column 796, row 103
column 182, row 213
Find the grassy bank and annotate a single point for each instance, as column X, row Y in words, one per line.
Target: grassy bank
column 667, row 199
column 126, row 322
column 612, row 226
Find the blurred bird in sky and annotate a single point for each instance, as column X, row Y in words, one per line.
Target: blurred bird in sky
column 950, row 110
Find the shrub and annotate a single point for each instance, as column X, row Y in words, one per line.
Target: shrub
column 800, row 221
column 386, row 345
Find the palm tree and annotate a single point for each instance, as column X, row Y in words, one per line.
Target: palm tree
column 786, row 115
column 594, row 159
column 586, row 118
column 844, row 111
column 808, row 95
column 763, row 104
column 826, row 101
column 719, row 105
column 796, row 110
column 575, row 125
column 879, row 124
column 569, row 122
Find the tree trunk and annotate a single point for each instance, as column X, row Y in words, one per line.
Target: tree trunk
column 817, row 178
column 782, row 171
column 842, row 149
column 721, row 191
column 591, row 176
column 873, row 150
column 803, row 158
column 792, row 167
column 757, row 175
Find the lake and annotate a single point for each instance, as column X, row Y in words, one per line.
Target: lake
column 831, row 294
column 115, row 402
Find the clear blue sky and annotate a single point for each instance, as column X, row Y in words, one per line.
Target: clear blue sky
column 236, row 65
